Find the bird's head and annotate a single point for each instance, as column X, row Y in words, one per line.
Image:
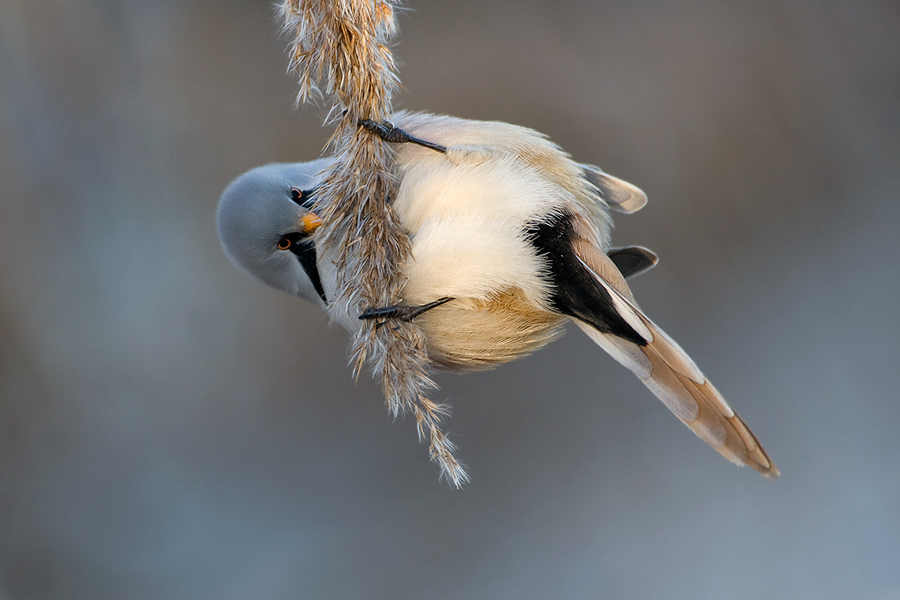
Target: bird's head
column 265, row 224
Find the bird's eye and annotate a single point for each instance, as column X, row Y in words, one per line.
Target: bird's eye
column 284, row 243
column 302, row 197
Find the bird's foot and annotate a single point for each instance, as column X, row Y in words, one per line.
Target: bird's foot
column 400, row 312
column 395, row 135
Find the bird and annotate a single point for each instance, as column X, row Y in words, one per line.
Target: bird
column 510, row 241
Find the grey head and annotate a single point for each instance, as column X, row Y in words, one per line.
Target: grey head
column 265, row 222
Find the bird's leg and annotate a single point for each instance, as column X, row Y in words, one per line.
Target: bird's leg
column 395, row 135
column 400, row 311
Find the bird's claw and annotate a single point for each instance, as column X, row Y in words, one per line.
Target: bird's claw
column 400, row 312
column 394, row 135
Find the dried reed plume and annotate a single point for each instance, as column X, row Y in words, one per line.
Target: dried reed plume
column 342, row 45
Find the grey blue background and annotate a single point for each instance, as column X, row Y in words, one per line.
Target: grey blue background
column 170, row 429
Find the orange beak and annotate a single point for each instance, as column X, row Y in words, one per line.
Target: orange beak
column 310, row 222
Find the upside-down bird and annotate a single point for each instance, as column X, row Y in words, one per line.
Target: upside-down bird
column 509, row 242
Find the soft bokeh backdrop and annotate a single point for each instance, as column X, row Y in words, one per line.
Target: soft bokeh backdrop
column 171, row 429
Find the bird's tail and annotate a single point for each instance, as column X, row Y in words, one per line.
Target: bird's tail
column 674, row 378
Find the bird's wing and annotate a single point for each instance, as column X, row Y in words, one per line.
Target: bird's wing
column 661, row 363
column 632, row 260
column 618, row 194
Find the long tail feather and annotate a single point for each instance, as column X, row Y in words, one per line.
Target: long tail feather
column 697, row 404
column 674, row 378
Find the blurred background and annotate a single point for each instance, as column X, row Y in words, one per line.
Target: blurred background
column 169, row 428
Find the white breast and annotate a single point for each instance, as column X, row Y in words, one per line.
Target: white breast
column 467, row 212
column 466, row 217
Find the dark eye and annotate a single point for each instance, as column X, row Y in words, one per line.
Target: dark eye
column 284, row 243
column 302, row 197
